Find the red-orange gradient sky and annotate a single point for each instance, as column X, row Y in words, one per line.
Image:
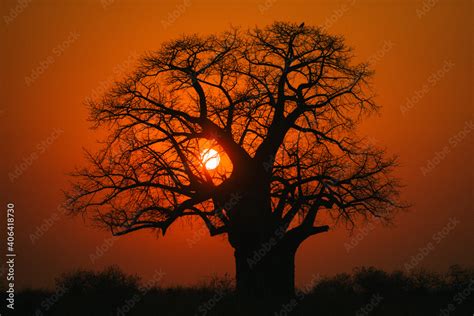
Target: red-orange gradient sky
column 57, row 53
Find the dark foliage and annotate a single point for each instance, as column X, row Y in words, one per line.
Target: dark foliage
column 367, row 291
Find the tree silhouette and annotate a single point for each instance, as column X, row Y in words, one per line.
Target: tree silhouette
column 280, row 105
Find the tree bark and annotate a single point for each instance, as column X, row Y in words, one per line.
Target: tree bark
column 265, row 275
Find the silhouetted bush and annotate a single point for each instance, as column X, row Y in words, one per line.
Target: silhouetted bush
column 367, row 291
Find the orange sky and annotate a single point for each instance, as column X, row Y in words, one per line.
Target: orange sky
column 55, row 54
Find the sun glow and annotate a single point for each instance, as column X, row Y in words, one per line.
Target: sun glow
column 210, row 158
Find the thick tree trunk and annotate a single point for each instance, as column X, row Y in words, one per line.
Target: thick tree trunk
column 265, row 275
column 264, row 256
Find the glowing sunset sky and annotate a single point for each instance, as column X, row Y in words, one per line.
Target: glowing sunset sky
column 56, row 54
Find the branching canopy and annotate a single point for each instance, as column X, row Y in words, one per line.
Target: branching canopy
column 279, row 103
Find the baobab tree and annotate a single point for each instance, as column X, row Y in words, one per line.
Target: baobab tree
column 251, row 132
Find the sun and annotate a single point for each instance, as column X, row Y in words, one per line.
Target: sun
column 210, row 158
